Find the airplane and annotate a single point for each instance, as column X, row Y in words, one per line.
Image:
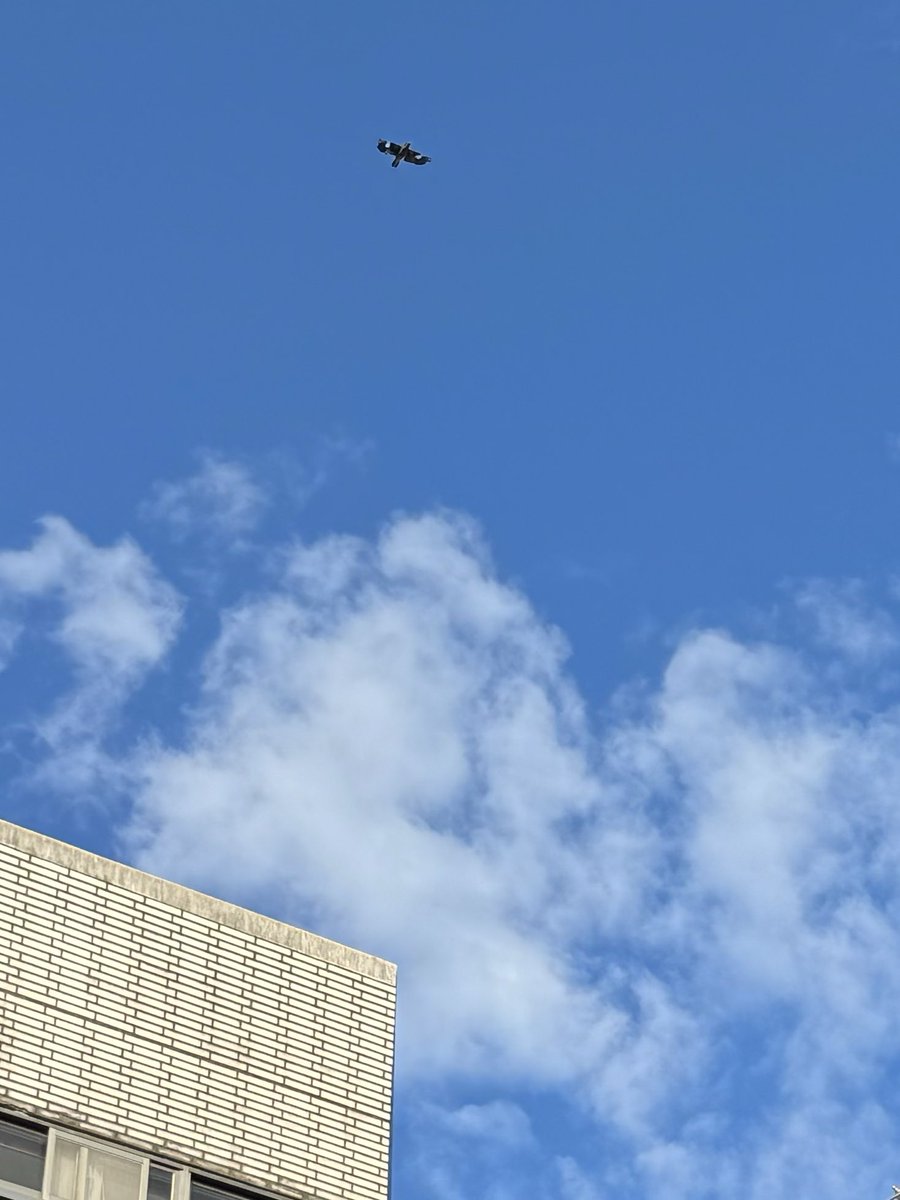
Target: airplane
column 895, row 1191
column 402, row 153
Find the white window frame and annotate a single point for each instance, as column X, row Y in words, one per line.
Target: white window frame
column 181, row 1179
column 84, row 1145
column 181, row 1184
column 16, row 1192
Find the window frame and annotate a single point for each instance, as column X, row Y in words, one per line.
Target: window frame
column 181, row 1174
column 85, row 1145
column 18, row 1191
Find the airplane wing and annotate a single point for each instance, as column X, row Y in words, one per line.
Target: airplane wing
column 414, row 156
column 389, row 147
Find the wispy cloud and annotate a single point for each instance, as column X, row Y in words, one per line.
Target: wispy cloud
column 10, row 630
column 303, row 478
column 113, row 618
column 498, row 1121
column 574, row 1184
column 222, row 505
column 845, row 621
column 221, row 500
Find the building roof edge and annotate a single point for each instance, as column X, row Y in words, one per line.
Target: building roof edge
column 109, row 871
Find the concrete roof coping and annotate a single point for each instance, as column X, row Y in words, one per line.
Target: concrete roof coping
column 222, row 912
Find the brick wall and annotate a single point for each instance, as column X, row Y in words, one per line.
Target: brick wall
column 137, row 1009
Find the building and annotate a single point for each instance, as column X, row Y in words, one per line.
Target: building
column 157, row 1044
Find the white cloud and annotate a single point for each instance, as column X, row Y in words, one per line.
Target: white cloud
column 843, row 620
column 223, row 502
column 783, row 796
column 220, row 500
column 498, row 1121
column 574, row 1184
column 9, row 635
column 391, row 737
column 114, row 619
column 394, row 735
column 688, row 924
column 486, row 1149
column 304, row 479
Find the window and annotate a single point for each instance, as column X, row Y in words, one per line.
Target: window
column 22, row 1152
column 159, row 1183
column 37, row 1164
column 205, row 1188
column 59, row 1164
column 81, row 1170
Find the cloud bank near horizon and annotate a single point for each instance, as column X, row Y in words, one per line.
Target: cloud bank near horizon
column 679, row 916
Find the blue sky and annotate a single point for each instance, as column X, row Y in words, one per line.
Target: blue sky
column 500, row 556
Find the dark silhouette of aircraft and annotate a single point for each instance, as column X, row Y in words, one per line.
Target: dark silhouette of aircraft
column 402, row 153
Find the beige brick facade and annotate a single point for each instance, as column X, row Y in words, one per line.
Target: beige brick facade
column 135, row 1009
